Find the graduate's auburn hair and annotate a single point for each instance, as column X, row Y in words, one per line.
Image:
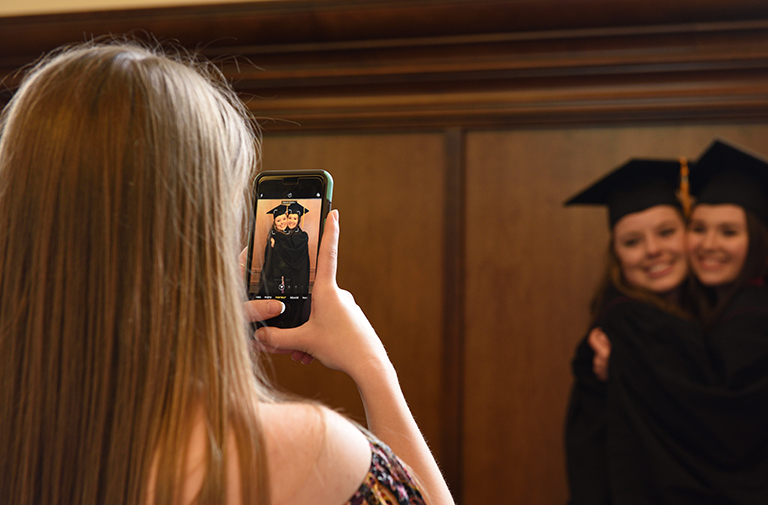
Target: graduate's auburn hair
column 123, row 175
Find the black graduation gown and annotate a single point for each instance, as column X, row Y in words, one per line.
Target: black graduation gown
column 286, row 264
column 656, row 394
column 275, row 273
column 604, row 447
column 585, row 433
column 299, row 261
column 685, row 413
column 738, row 421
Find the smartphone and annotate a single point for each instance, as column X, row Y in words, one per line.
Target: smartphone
column 289, row 214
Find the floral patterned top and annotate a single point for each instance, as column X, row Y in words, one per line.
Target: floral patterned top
column 388, row 482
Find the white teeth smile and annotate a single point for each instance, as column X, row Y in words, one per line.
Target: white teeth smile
column 710, row 263
column 658, row 268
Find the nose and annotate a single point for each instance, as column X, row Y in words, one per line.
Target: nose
column 709, row 241
column 652, row 246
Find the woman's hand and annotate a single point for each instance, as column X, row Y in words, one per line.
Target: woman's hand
column 337, row 332
column 600, row 344
column 340, row 336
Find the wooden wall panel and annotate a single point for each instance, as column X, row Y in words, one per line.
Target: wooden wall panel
column 389, row 192
column 531, row 266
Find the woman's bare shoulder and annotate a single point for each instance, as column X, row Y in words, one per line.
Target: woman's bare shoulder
column 314, row 454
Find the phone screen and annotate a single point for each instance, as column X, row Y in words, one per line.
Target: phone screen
column 289, row 213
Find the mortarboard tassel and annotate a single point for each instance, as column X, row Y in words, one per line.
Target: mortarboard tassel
column 684, row 193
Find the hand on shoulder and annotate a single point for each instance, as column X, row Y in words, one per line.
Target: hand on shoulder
column 601, row 345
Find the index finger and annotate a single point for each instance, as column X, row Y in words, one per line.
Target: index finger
column 242, row 259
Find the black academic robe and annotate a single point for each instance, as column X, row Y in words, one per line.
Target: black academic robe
column 585, row 433
column 656, row 394
column 299, row 262
column 604, row 450
column 738, row 415
column 684, row 412
column 275, row 273
column 286, row 264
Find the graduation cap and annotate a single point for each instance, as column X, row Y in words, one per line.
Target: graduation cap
column 634, row 186
column 279, row 210
column 297, row 208
column 730, row 174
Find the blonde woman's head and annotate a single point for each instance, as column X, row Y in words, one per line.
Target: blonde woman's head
column 123, row 175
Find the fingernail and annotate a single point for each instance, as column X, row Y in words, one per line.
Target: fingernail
column 275, row 308
column 259, row 335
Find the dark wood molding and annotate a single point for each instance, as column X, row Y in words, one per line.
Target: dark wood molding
column 454, row 270
column 344, row 64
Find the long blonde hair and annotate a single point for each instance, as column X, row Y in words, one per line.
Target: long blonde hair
column 123, row 173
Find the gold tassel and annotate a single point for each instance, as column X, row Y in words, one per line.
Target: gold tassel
column 684, row 193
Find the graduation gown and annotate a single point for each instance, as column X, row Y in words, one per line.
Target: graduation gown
column 286, row 264
column 738, row 421
column 299, row 261
column 609, row 461
column 585, row 433
column 684, row 412
column 656, row 395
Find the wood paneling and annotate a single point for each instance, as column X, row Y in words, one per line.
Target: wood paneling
column 678, row 72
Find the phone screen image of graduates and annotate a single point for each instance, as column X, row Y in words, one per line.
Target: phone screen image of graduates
column 283, row 248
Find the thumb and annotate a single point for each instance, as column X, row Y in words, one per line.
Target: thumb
column 328, row 254
column 280, row 340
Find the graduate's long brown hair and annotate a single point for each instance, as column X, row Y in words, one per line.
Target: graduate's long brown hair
column 122, row 179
